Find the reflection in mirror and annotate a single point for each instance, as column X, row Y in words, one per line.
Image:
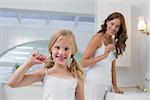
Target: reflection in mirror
column 20, row 53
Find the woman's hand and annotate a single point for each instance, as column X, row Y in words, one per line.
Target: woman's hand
column 37, row 58
column 108, row 49
column 116, row 90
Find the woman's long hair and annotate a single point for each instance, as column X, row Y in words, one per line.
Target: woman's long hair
column 120, row 36
column 74, row 66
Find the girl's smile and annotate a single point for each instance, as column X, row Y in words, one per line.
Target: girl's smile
column 61, row 50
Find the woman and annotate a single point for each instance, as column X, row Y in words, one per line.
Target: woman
column 100, row 57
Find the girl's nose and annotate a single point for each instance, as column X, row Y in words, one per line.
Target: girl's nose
column 61, row 51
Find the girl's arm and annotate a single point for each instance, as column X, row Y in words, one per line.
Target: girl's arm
column 20, row 78
column 80, row 90
column 87, row 59
column 114, row 80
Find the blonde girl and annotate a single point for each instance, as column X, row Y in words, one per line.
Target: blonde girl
column 61, row 75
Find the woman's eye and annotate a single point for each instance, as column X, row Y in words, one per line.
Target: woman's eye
column 117, row 26
column 112, row 23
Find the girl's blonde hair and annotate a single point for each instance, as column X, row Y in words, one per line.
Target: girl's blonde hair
column 74, row 67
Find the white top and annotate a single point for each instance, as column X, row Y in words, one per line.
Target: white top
column 101, row 71
column 55, row 88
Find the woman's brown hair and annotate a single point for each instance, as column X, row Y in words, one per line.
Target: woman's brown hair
column 120, row 36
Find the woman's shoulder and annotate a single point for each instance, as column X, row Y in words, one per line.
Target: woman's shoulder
column 98, row 39
column 97, row 36
column 95, row 42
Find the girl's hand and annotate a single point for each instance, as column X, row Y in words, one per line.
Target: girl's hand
column 116, row 90
column 37, row 58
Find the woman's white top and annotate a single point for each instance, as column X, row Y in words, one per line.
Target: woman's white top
column 55, row 88
column 101, row 71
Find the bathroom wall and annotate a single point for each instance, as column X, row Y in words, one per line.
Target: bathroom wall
column 147, row 39
column 127, row 76
column 14, row 35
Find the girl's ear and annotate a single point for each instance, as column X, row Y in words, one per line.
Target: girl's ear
column 69, row 60
column 71, row 56
column 50, row 56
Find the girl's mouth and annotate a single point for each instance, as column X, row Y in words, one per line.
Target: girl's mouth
column 61, row 59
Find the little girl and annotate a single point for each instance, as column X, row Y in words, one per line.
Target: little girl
column 61, row 75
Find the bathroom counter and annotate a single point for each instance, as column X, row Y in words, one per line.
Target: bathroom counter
column 128, row 96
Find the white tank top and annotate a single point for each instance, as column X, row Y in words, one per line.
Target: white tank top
column 55, row 88
column 101, row 71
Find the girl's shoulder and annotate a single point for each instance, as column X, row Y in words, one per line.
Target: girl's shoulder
column 55, row 73
column 47, row 70
column 79, row 80
column 42, row 71
column 39, row 73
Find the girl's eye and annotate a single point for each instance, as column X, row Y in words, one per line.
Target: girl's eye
column 57, row 47
column 66, row 49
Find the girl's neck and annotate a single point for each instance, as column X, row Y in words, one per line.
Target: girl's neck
column 60, row 67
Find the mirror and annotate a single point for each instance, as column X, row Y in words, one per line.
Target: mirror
column 11, row 59
column 20, row 53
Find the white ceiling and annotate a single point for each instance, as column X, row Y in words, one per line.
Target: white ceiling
column 45, row 15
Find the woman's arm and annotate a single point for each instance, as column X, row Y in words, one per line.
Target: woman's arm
column 20, row 78
column 114, row 80
column 88, row 59
column 80, row 90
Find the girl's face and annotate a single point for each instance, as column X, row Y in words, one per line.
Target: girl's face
column 61, row 50
column 113, row 26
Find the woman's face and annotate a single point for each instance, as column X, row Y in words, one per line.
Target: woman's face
column 61, row 50
column 113, row 26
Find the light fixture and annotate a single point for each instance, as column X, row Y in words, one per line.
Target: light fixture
column 142, row 25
